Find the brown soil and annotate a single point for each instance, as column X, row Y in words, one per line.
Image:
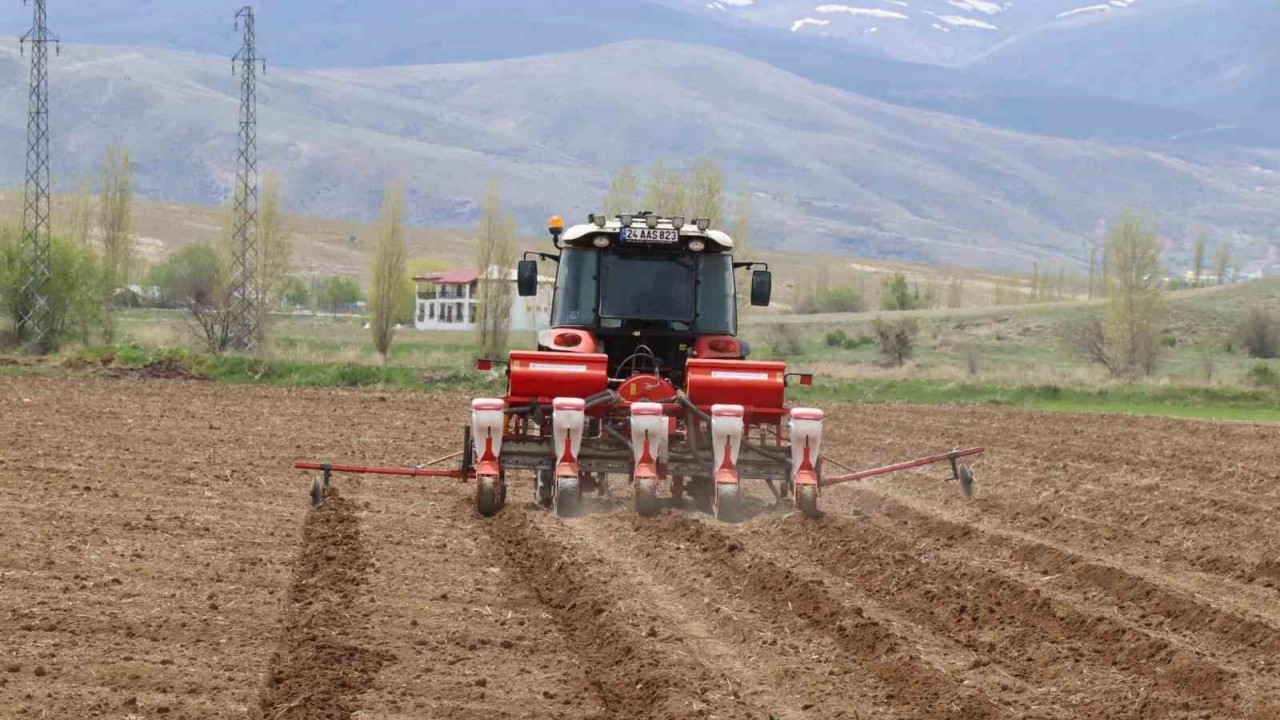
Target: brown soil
column 319, row 673
column 159, row 559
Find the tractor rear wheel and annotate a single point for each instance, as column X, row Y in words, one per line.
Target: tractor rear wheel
column 807, row 500
column 568, row 493
column 726, row 504
column 489, row 496
column 646, row 497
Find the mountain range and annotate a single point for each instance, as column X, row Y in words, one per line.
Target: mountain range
column 1214, row 58
column 1000, row 153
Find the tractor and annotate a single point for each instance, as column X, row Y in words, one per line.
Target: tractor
column 641, row 375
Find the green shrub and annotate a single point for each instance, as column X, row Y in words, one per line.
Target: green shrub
column 75, row 285
column 841, row 339
column 1258, row 332
column 895, row 294
column 840, row 299
column 1263, row 375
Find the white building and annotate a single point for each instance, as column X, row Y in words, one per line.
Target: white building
column 447, row 300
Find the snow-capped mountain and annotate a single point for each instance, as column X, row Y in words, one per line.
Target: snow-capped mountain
column 1214, row 59
column 947, row 32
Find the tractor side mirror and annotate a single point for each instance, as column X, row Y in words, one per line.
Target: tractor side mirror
column 527, row 278
column 761, row 288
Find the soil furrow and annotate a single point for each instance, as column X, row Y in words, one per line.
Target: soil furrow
column 1016, row 625
column 1195, row 545
column 1078, row 536
column 637, row 670
column 778, row 661
column 1127, row 480
column 324, row 662
column 1234, row 635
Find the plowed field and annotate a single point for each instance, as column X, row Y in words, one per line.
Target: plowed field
column 158, row 559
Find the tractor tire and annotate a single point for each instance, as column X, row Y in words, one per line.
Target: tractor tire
column 727, row 504
column 317, row 492
column 567, row 497
column 807, row 501
column 489, row 496
column 647, row 497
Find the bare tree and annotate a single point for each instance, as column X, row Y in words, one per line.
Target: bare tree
column 706, row 190
column 495, row 256
column 212, row 320
column 114, row 218
column 623, row 187
column 896, row 338
column 1135, row 307
column 196, row 278
column 1089, row 337
column 386, row 283
column 275, row 249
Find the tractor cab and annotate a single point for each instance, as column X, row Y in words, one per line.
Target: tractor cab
column 648, row 292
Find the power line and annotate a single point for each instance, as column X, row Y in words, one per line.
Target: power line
column 35, row 313
column 246, row 318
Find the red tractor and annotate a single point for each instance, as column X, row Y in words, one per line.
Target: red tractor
column 642, row 375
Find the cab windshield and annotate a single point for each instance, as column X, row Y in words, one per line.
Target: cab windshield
column 609, row 289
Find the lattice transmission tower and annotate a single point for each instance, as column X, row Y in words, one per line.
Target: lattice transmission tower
column 34, row 320
column 245, row 301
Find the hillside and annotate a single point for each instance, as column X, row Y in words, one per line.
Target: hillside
column 1213, row 56
column 321, row 246
column 832, row 171
column 313, row 34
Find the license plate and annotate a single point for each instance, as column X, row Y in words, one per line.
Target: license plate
column 650, row 235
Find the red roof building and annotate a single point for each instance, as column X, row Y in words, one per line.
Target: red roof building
column 447, row 300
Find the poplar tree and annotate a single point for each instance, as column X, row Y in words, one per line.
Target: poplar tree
column 386, row 284
column 115, row 221
column 495, row 257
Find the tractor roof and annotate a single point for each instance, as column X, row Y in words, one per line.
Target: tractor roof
column 582, row 234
